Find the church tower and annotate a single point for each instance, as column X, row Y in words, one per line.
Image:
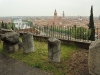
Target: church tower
column 63, row 15
column 55, row 17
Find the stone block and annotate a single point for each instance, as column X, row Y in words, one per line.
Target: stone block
column 94, row 58
column 54, row 50
column 7, row 47
column 27, row 42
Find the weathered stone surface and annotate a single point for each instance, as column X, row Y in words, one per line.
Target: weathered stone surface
column 94, row 58
column 27, row 42
column 3, row 31
column 10, row 37
column 20, row 45
column 54, row 50
column 7, row 47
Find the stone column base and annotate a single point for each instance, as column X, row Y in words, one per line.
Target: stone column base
column 7, row 47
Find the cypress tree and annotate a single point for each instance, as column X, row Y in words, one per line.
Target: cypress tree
column 91, row 26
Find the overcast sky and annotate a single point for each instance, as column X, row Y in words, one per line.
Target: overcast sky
column 47, row 7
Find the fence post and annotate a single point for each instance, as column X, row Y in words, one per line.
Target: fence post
column 53, row 30
column 97, row 33
column 68, row 33
column 59, row 31
column 65, row 33
column 75, row 33
column 54, row 50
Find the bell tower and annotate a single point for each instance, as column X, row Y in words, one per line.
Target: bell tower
column 63, row 15
column 55, row 16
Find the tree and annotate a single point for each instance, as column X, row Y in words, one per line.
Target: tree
column 2, row 25
column 13, row 26
column 6, row 26
column 91, row 26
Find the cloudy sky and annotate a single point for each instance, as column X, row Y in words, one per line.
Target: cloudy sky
column 47, row 7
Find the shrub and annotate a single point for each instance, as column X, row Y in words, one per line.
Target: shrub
column 80, row 33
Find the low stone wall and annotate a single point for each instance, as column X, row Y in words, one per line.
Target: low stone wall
column 84, row 45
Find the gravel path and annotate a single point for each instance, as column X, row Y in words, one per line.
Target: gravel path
column 9, row 66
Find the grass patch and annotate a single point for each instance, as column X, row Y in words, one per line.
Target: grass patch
column 39, row 58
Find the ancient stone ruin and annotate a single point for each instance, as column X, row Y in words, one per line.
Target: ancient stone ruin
column 27, row 42
column 94, row 58
column 10, row 41
column 54, row 50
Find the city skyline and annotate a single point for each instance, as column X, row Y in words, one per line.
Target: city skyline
column 47, row 7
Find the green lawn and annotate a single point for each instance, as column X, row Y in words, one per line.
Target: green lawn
column 39, row 58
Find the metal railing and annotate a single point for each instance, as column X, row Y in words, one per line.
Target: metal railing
column 61, row 32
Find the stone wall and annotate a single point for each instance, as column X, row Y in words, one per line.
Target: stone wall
column 84, row 45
